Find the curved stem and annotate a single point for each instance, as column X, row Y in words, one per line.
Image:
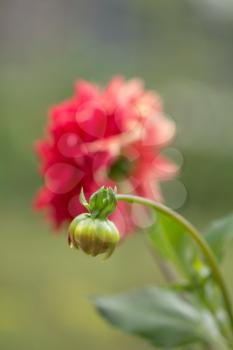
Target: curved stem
column 192, row 231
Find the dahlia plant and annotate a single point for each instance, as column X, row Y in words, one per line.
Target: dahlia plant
column 102, row 154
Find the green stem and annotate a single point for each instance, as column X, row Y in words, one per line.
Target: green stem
column 192, row 231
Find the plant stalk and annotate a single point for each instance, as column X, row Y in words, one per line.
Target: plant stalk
column 193, row 232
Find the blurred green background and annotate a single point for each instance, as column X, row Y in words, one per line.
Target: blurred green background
column 181, row 48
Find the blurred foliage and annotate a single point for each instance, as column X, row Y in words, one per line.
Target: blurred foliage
column 184, row 50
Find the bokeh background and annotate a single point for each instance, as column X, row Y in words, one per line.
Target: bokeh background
column 181, row 48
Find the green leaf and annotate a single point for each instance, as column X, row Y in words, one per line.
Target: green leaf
column 159, row 315
column 171, row 241
column 219, row 234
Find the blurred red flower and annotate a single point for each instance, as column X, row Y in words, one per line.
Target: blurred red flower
column 110, row 136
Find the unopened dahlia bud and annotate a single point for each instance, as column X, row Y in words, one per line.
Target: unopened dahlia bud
column 93, row 232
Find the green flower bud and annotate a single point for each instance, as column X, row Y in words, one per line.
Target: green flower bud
column 93, row 232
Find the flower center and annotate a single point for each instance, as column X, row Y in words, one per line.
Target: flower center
column 121, row 169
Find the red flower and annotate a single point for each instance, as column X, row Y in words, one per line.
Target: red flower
column 103, row 137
